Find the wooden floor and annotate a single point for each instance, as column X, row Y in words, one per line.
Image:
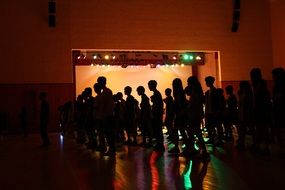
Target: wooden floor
column 66, row 165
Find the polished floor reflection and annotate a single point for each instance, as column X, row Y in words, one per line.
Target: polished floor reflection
column 66, row 165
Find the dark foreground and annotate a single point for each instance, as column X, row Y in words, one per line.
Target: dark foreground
column 66, row 165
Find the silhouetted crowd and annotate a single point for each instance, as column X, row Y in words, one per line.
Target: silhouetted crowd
column 107, row 120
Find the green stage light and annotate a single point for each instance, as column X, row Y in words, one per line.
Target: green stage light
column 186, row 57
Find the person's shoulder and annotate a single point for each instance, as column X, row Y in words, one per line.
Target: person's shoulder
column 157, row 93
column 109, row 90
column 144, row 97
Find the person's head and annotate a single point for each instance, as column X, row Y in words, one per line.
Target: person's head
column 244, row 86
column 195, row 85
column 256, row 77
column 79, row 98
column 102, row 81
column 140, row 90
column 84, row 95
column 278, row 75
column 177, row 86
column 128, row 90
column 152, row 84
column 168, row 92
column 42, row 95
column 88, row 91
column 120, row 95
column 210, row 81
column 97, row 88
column 255, row 74
column 192, row 80
column 229, row 89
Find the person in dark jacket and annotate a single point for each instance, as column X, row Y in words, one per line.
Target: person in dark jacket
column 230, row 117
column 145, row 117
column 195, row 115
column 157, row 113
column 130, row 115
column 169, row 113
column 262, row 111
column 212, row 108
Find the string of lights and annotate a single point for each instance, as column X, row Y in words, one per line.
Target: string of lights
column 136, row 58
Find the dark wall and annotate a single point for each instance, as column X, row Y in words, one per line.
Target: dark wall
column 14, row 96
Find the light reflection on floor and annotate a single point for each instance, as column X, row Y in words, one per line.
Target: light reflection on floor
column 66, row 165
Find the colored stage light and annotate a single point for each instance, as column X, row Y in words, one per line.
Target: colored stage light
column 198, row 58
column 107, row 57
column 187, row 57
column 81, row 56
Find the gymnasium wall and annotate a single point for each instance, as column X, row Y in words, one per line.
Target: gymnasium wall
column 37, row 55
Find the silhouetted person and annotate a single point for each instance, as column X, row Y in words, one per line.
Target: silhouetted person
column 116, row 116
column 130, row 115
column 62, row 118
column 145, row 117
column 137, row 117
column 157, row 113
column 24, row 120
column 121, row 110
column 211, row 111
column 66, row 118
column 44, row 119
column 80, row 118
column 69, row 122
column 180, row 117
column 97, row 117
column 89, row 122
column 220, row 115
column 262, row 110
column 231, row 113
column 107, row 115
column 245, row 112
column 195, row 115
column 278, row 100
column 169, row 113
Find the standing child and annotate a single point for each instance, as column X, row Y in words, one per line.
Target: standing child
column 130, row 115
column 145, row 117
column 169, row 113
column 157, row 113
column 231, row 113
